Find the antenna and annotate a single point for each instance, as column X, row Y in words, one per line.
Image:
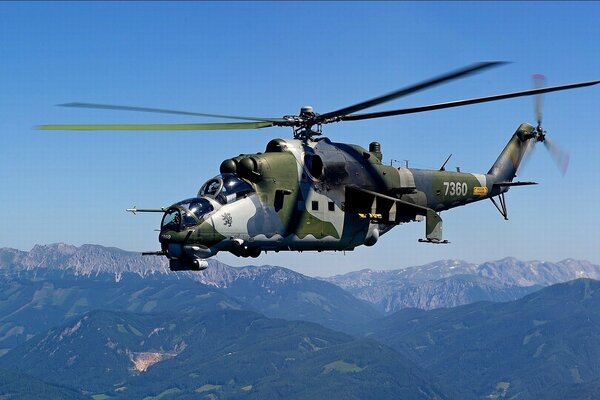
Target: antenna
column 443, row 167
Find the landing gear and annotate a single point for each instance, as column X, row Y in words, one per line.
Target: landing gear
column 502, row 207
column 433, row 228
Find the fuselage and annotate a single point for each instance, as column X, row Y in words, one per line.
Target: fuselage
column 297, row 196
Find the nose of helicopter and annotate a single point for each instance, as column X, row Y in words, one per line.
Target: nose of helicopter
column 182, row 241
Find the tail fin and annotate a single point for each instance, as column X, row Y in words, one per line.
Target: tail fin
column 506, row 166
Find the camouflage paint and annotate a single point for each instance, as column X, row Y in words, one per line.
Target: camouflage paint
column 319, row 195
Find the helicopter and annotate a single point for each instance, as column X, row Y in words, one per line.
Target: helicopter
column 309, row 193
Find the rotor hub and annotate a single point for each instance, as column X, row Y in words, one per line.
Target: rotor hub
column 307, row 110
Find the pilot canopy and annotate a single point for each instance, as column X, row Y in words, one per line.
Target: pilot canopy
column 225, row 188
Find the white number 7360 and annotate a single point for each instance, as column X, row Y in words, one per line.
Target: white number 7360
column 455, row 188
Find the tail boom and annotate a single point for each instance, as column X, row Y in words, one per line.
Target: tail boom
column 506, row 166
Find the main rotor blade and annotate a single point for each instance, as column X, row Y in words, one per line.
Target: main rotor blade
column 158, row 127
column 459, row 103
column 165, row 111
column 410, row 89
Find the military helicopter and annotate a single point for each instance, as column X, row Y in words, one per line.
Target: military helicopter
column 309, row 193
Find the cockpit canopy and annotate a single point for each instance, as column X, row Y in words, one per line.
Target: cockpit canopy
column 225, row 188
column 186, row 213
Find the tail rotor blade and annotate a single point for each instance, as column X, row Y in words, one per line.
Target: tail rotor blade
column 539, row 81
column 526, row 155
column 560, row 156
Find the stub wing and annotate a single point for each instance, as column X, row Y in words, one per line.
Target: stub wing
column 384, row 209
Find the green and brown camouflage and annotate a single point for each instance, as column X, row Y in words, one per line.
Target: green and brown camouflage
column 319, row 195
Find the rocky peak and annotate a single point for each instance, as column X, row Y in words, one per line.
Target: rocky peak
column 222, row 276
column 85, row 260
column 448, row 283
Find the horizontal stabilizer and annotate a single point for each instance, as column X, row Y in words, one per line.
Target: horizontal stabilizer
column 507, row 184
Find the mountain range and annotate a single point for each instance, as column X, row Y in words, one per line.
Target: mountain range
column 445, row 283
column 46, row 286
column 97, row 322
column 450, row 283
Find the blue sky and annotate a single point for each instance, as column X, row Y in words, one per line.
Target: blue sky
column 268, row 59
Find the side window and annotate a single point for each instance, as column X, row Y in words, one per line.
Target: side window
column 331, row 206
column 315, row 205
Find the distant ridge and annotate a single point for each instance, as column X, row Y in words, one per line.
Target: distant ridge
column 449, row 283
column 51, row 283
column 87, row 259
column 445, row 283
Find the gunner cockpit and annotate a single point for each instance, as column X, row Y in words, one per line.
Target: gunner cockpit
column 223, row 189
column 186, row 213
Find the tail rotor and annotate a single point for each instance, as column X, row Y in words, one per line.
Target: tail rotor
column 559, row 156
